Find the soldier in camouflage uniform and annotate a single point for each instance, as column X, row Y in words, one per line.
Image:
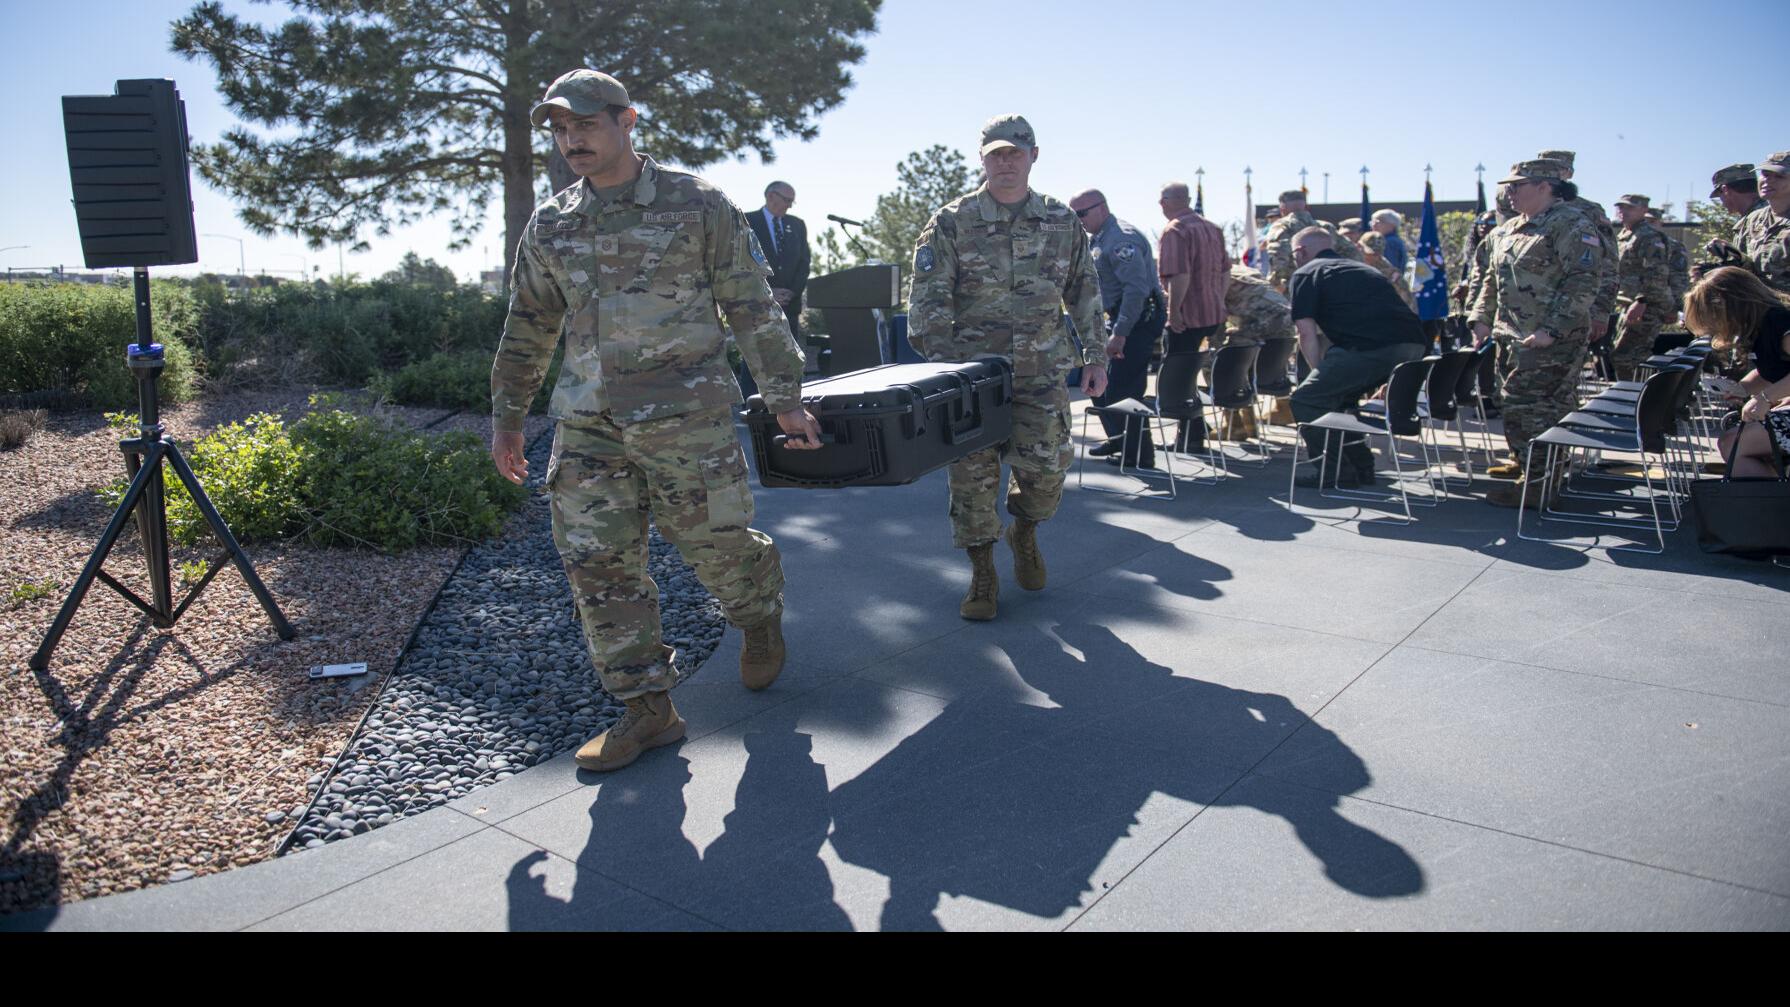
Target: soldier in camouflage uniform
column 1643, row 294
column 1373, row 252
column 637, row 265
column 1294, row 217
column 992, row 273
column 1764, row 236
column 1604, row 307
column 1678, row 265
column 1255, row 312
column 1736, row 187
column 1541, row 281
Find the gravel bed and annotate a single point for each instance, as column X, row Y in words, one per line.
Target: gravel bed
column 497, row 681
column 145, row 756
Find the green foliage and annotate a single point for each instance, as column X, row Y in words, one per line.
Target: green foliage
column 367, row 482
column 1714, row 222
column 380, row 112
column 338, row 478
column 31, row 590
column 455, row 381
column 349, row 332
column 1452, row 230
column 414, row 271
column 71, row 336
column 925, row 180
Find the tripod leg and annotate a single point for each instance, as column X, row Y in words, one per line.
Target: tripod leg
column 222, row 530
column 152, row 527
column 41, row 660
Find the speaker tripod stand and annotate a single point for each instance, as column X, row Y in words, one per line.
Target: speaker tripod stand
column 147, row 499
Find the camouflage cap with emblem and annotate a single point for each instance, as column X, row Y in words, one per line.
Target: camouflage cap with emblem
column 580, row 92
column 1541, row 167
column 1630, row 199
column 1351, row 224
column 1007, row 131
column 1565, row 157
column 1732, row 173
column 1777, row 164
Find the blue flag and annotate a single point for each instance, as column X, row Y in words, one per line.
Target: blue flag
column 1429, row 278
column 1367, row 213
column 1199, row 197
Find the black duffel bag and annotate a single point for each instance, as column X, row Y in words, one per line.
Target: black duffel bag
column 1749, row 518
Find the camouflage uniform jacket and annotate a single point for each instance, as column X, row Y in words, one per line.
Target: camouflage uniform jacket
column 1740, row 223
column 1279, row 244
column 1542, row 273
column 641, row 285
column 1257, row 311
column 988, row 280
column 1375, row 242
column 1606, row 232
column 1476, row 271
column 1678, row 273
column 1765, row 241
column 1642, row 272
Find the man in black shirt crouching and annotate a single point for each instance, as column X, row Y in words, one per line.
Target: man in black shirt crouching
column 1353, row 330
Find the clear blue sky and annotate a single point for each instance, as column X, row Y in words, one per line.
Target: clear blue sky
column 1124, row 95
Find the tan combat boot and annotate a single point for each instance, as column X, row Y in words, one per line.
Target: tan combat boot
column 1239, row 425
column 761, row 658
column 650, row 721
column 985, row 585
column 1526, row 491
column 1028, row 562
column 1282, row 413
column 1512, row 469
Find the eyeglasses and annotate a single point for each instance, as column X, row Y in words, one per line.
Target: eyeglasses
column 1087, row 210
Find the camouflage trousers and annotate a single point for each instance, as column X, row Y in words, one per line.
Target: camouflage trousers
column 687, row 473
column 1540, row 386
column 1634, row 344
column 1038, row 456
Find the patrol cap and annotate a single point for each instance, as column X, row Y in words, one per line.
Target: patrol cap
column 1777, row 164
column 1541, row 167
column 1653, row 213
column 1565, row 157
column 1351, row 224
column 1292, row 196
column 1633, row 200
column 1007, row 131
column 580, row 92
column 1732, row 173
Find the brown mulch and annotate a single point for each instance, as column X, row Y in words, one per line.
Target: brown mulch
column 144, row 755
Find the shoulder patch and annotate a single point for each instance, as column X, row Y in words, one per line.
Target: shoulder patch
column 758, row 255
column 1585, row 257
column 923, row 259
column 672, row 217
column 1125, row 253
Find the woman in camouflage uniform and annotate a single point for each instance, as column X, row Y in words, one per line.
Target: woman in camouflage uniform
column 1541, row 277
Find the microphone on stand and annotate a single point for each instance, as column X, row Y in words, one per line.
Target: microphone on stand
column 838, row 219
column 846, row 222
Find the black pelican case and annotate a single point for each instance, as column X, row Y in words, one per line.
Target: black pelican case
column 888, row 425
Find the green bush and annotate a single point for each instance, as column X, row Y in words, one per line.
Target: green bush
column 367, row 482
column 337, row 478
column 72, row 336
column 455, row 381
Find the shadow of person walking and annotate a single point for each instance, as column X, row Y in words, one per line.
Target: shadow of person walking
column 1037, row 806
column 762, row 872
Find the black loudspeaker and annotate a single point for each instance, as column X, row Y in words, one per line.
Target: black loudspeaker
column 127, row 158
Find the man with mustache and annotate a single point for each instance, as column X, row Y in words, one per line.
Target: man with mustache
column 638, row 264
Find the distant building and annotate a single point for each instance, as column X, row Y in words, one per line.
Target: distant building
column 492, row 281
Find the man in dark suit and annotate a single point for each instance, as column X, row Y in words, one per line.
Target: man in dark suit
column 785, row 241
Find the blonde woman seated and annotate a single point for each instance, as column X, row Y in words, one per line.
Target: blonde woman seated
column 1733, row 307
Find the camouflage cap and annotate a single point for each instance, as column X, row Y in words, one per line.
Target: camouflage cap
column 581, row 92
column 1292, row 196
column 1732, row 173
column 1653, row 213
column 1565, row 157
column 1777, row 164
column 1541, row 167
column 1633, row 200
column 1350, row 224
column 1007, row 131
